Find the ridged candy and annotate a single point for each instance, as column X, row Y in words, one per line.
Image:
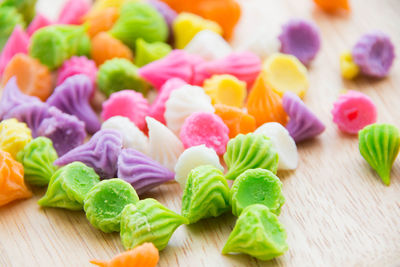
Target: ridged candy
column 14, row 136
column 250, row 151
column 77, row 65
column 225, row 89
column 149, row 52
column 237, row 120
column 101, row 20
column 105, row 47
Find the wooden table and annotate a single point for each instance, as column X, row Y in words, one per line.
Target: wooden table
column 337, row 211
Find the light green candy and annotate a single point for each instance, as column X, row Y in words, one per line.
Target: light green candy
column 206, row 194
column 24, row 7
column 148, row 221
column 52, row 45
column 139, row 20
column 69, row 186
column 379, row 145
column 250, row 151
column 105, row 202
column 9, row 18
column 149, row 52
column 119, row 74
column 256, row 186
column 37, row 157
column 258, row 233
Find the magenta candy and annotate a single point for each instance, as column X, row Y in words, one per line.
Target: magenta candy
column 64, row 130
column 77, row 65
column 374, row 54
column 177, row 64
column 142, row 172
column 243, row 65
column 301, row 39
column 101, row 153
column 127, row 103
column 72, row 97
column 37, row 23
column 17, row 43
column 157, row 109
column 205, row 128
column 13, row 97
column 353, row 111
column 73, row 12
column 303, row 124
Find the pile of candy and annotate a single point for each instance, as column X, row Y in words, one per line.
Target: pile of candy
column 212, row 107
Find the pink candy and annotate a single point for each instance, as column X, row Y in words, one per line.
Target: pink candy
column 17, row 43
column 38, row 22
column 77, row 65
column 127, row 103
column 73, row 12
column 205, row 128
column 157, row 109
column 353, row 111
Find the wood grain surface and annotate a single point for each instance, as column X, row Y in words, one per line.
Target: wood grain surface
column 337, row 211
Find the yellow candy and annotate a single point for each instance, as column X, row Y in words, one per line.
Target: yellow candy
column 285, row 73
column 14, row 135
column 225, row 89
column 187, row 25
column 347, row 66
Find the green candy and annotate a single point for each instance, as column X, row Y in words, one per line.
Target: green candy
column 139, row 20
column 256, row 186
column 24, row 7
column 52, row 45
column 250, row 151
column 206, row 194
column 258, row 233
column 9, row 18
column 69, row 186
column 105, row 202
column 379, row 145
column 149, row 52
column 119, row 74
column 37, row 157
column 148, row 221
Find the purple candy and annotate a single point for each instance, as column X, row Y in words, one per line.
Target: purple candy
column 142, row 172
column 65, row 131
column 303, row 124
column 13, row 97
column 301, row 39
column 31, row 113
column 374, row 54
column 72, row 97
column 101, row 153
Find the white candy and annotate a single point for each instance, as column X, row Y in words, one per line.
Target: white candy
column 193, row 157
column 182, row 103
column 164, row 146
column 209, row 45
column 283, row 142
column 262, row 45
column 132, row 136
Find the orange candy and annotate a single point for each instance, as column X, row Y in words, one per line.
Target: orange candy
column 12, row 186
column 101, row 20
column 237, row 120
column 333, row 5
column 225, row 12
column 264, row 104
column 33, row 78
column 145, row 255
column 105, row 47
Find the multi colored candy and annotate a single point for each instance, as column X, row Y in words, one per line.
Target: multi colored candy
column 148, row 221
column 379, row 144
column 142, row 172
column 353, row 111
column 37, row 157
column 101, row 20
column 237, row 120
column 256, row 186
column 250, row 151
column 149, row 52
column 37, row 23
column 77, row 65
column 14, row 136
column 225, row 89
column 206, row 194
column 69, row 186
column 270, row 239
column 12, row 186
column 105, row 202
